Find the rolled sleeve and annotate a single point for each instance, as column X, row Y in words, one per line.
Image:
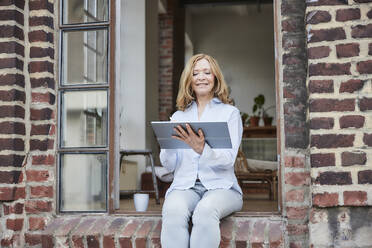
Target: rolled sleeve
column 168, row 158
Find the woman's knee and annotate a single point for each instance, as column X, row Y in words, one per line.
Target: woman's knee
column 175, row 214
column 205, row 213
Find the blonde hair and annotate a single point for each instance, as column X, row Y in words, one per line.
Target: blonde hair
column 185, row 92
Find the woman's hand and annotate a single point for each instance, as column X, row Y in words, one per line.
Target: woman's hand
column 195, row 141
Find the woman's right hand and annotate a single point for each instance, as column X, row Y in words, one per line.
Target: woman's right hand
column 195, row 141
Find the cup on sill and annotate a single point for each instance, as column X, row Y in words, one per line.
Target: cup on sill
column 141, row 202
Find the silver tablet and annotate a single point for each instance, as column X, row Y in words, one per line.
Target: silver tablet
column 216, row 134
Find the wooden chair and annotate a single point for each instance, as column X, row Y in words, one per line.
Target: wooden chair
column 247, row 179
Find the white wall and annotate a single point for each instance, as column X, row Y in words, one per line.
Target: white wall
column 243, row 44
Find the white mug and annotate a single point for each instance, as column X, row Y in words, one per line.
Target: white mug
column 141, row 202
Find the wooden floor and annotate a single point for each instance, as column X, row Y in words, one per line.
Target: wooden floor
column 252, row 203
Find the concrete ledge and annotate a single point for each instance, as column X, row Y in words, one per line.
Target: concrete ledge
column 123, row 231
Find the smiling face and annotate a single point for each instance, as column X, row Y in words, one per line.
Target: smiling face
column 202, row 82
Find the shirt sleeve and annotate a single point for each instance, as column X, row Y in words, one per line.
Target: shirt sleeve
column 224, row 158
column 168, row 158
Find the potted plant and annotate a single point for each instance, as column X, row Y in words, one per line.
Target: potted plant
column 245, row 117
column 259, row 101
column 266, row 117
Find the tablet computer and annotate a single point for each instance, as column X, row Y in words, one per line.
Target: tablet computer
column 216, row 134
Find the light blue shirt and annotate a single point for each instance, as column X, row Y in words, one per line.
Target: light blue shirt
column 214, row 167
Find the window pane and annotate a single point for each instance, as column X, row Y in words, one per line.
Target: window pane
column 83, row 182
column 84, row 57
column 84, row 118
column 82, row 11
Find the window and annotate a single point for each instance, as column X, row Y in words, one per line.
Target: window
column 84, row 106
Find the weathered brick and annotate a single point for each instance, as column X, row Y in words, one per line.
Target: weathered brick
column 329, row 69
column 355, row 198
column 318, row 16
column 331, row 34
column 126, row 235
column 12, row 144
column 353, row 158
column 7, row 31
column 226, row 227
column 40, row 66
column 297, row 178
column 322, row 159
column 43, row 97
column 32, row 239
column 155, row 235
column 67, row 226
column 291, row 40
column 14, row 224
column 257, row 238
column 347, row 50
column 7, row 127
column 12, row 111
column 11, row 15
column 351, row 85
column 41, row 145
column 11, row 63
column 43, row 160
column 343, row 15
column 361, row 31
column 39, row 52
column 19, row 3
column 367, row 139
column 295, row 195
column 41, row 5
column 328, row 105
column 142, row 233
column 13, row 208
column 294, row 161
column 276, row 234
column 365, row 67
column 11, row 47
column 327, row 2
column 37, row 176
column 293, row 60
column 365, row 104
column 293, row 25
column 334, row 178
column 41, row 191
column 321, row 86
column 325, row 199
column 369, row 14
column 93, row 241
column 40, row 35
column 12, row 193
column 42, row 82
column 36, row 223
column 297, row 213
column 41, row 114
column 242, row 233
column 12, row 96
column 321, row 123
column 41, row 21
column 365, row 177
column 43, row 129
column 347, row 121
column 292, row 8
column 11, row 160
column 318, row 52
column 12, row 79
column 9, row 177
column 332, row 140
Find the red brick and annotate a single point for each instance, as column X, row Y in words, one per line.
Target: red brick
column 155, row 235
column 47, row 241
column 361, row 31
column 40, row 35
column 14, row 224
column 294, row 161
column 226, row 227
column 369, row 15
column 355, row 198
column 41, row 145
column 334, row 178
column 41, row 191
column 36, row 223
column 67, row 226
column 327, row 2
column 347, row 50
column 126, row 235
column 321, row 86
column 40, row 66
column 12, row 193
column 11, row 160
column 41, row 114
column 11, row 15
column 318, row 52
column 353, row 158
column 327, row 35
column 41, row 5
column 322, row 160
column 12, row 96
column 343, row 15
column 318, row 16
column 332, row 140
column 13, row 208
column 43, row 82
column 142, row 233
column 12, row 79
column 12, row 111
column 34, row 207
column 12, row 47
column 7, row 31
column 351, row 86
column 367, row 139
column 295, row 195
column 292, row 25
column 297, row 178
column 43, row 129
column 329, row 69
column 93, row 241
column 115, row 226
column 32, row 239
column 39, row 52
column 43, row 159
column 9, row 177
column 276, row 232
column 297, row 229
column 108, row 242
column 8, row 127
column 321, row 123
column 20, row 4
column 78, row 242
column 365, row 67
column 365, row 104
column 41, row 21
column 365, row 177
column 257, row 238
column 242, row 234
column 37, row 176
column 297, row 213
column 43, row 98
column 347, row 121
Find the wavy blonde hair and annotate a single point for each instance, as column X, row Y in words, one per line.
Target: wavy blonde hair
column 186, row 94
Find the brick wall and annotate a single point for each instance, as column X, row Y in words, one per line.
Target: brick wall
column 339, row 42
column 27, row 125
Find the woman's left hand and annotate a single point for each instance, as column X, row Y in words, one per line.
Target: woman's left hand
column 195, row 141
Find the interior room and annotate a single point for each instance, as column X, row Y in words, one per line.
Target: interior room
column 241, row 38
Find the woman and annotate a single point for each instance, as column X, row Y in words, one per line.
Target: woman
column 204, row 187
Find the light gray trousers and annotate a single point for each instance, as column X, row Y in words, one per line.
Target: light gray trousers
column 206, row 207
